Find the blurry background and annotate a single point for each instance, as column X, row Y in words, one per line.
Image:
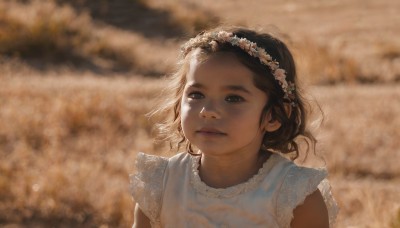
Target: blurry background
column 77, row 77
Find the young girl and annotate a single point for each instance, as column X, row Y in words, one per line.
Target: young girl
column 236, row 108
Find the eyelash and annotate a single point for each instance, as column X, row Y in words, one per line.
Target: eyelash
column 236, row 98
column 193, row 95
column 198, row 95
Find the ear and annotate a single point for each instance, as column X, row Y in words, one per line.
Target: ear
column 271, row 124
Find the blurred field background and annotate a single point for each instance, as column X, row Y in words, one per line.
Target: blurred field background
column 77, row 77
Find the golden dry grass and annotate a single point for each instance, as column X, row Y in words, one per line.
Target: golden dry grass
column 69, row 135
column 42, row 32
column 67, row 145
column 84, row 35
column 358, row 31
column 360, row 142
column 350, row 45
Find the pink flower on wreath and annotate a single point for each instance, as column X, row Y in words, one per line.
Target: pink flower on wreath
column 243, row 44
column 273, row 65
column 280, row 74
column 213, row 45
column 224, row 36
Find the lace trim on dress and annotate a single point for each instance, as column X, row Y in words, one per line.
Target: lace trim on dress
column 146, row 185
column 298, row 184
column 330, row 202
column 232, row 191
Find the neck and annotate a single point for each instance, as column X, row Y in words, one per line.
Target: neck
column 227, row 171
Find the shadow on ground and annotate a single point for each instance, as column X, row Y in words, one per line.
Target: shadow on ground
column 131, row 15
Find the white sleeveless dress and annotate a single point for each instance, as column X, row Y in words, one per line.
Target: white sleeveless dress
column 170, row 193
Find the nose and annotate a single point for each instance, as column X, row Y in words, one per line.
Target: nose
column 209, row 113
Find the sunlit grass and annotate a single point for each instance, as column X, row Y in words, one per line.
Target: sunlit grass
column 68, row 144
column 67, row 147
column 55, row 35
column 319, row 65
column 190, row 16
column 68, row 140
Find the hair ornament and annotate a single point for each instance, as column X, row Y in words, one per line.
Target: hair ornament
column 213, row 38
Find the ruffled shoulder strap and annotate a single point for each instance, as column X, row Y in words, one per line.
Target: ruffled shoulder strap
column 297, row 185
column 146, row 185
column 333, row 209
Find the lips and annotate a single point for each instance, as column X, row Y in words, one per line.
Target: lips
column 210, row 131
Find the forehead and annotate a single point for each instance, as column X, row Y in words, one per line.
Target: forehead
column 220, row 67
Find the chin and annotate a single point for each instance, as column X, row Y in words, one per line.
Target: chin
column 212, row 151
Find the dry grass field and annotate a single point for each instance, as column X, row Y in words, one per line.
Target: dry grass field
column 76, row 79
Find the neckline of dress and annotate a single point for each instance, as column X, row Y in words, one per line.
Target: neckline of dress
column 231, row 191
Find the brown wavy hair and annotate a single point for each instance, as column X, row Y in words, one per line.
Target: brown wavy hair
column 293, row 122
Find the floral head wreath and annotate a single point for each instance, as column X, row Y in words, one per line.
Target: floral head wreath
column 213, row 38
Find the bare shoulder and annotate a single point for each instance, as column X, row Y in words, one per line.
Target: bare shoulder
column 312, row 213
column 140, row 219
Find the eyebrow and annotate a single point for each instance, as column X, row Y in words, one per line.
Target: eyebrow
column 228, row 87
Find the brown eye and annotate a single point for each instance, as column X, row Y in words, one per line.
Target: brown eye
column 195, row 95
column 234, row 99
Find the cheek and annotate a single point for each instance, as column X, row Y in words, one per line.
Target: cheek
column 186, row 110
column 245, row 117
column 190, row 108
column 241, row 112
column 187, row 115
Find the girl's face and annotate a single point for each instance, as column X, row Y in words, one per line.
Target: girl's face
column 221, row 107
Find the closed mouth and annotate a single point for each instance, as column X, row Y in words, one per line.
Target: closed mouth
column 210, row 131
